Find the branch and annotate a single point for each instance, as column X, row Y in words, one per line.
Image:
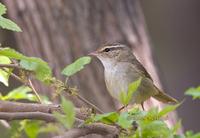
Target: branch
column 19, row 111
column 7, row 106
column 27, row 115
column 31, row 115
column 96, row 128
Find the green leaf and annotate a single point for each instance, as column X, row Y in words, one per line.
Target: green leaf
column 16, row 130
column 125, row 97
column 11, row 53
column 68, row 119
column 151, row 115
column 9, row 25
column 4, row 76
column 194, row 92
column 38, row 66
column 32, row 128
column 76, row 66
column 136, row 114
column 2, row 9
column 22, row 92
column 41, row 68
column 167, row 109
column 132, row 88
column 154, row 129
column 49, row 128
column 108, row 118
column 124, row 120
column 68, row 108
column 190, row 134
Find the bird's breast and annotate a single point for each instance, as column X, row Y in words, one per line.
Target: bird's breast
column 118, row 78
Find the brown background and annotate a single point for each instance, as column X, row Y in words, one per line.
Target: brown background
column 174, row 28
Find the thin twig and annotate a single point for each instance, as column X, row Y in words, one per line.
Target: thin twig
column 17, row 78
column 10, row 66
column 69, row 90
column 14, row 76
column 34, row 90
column 90, row 104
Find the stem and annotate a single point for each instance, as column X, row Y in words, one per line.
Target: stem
column 90, row 104
column 16, row 77
column 71, row 91
column 10, row 66
column 33, row 88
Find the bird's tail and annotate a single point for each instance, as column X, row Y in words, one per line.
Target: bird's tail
column 163, row 97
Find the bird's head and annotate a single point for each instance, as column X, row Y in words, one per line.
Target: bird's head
column 112, row 54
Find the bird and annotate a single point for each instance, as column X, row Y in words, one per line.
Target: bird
column 121, row 68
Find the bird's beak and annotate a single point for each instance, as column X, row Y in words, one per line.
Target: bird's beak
column 93, row 53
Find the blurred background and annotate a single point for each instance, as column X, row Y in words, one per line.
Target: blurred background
column 175, row 34
column 61, row 31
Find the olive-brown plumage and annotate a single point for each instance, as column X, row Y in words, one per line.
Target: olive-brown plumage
column 122, row 68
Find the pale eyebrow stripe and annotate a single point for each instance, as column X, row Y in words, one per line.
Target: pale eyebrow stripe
column 114, row 47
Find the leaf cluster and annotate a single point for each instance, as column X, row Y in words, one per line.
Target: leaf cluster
column 136, row 123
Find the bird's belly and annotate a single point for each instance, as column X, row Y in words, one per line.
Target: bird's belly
column 117, row 82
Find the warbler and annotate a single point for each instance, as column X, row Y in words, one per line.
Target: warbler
column 121, row 68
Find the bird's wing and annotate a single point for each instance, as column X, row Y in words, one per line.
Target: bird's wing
column 141, row 69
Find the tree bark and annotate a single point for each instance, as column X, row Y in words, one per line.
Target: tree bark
column 59, row 31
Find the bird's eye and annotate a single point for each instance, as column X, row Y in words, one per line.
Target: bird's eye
column 106, row 50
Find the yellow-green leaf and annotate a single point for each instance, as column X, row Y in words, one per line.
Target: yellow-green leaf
column 4, row 75
column 76, row 66
column 2, row 9
column 68, row 108
column 108, row 118
column 167, row 109
column 22, row 92
column 194, row 92
column 38, row 66
column 9, row 25
column 125, row 97
column 133, row 88
column 124, row 120
column 67, row 119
